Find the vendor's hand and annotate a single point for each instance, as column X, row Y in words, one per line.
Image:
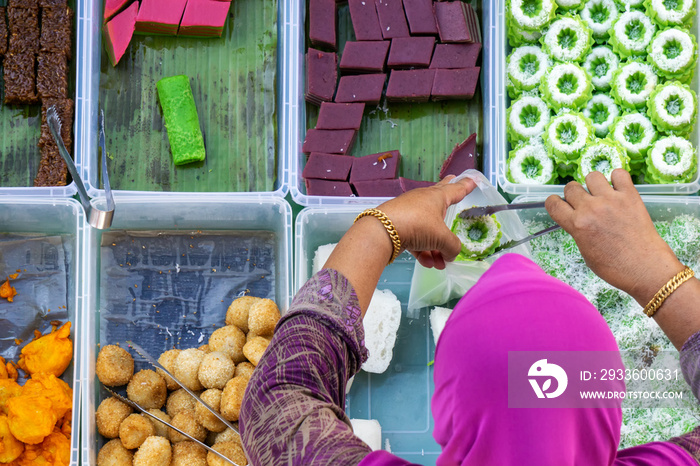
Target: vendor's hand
column 615, row 234
column 419, row 219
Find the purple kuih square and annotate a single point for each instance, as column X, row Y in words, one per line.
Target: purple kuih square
column 421, row 19
column 364, row 56
column 472, row 22
column 381, row 166
column 329, row 141
column 410, row 85
column 392, row 18
column 327, row 188
column 463, row 157
column 452, row 22
column 365, row 21
column 321, row 76
column 407, row 52
column 408, row 184
column 322, row 22
column 455, row 84
column 340, row 116
column 327, row 166
column 455, row 55
column 378, row 188
column 363, row 88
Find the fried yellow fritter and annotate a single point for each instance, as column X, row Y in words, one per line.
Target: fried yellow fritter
column 50, row 353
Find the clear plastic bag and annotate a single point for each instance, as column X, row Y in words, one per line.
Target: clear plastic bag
column 432, row 287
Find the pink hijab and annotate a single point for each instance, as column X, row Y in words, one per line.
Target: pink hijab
column 515, row 306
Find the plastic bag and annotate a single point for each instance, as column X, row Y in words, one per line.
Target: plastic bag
column 432, row 287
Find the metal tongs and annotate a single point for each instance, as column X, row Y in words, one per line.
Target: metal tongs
column 100, row 219
column 492, row 209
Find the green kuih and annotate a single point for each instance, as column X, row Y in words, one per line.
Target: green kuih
column 519, row 37
column 567, row 39
column 604, row 156
column 570, row 5
column 181, row 120
column 602, row 111
column 632, row 84
column 566, row 136
column 531, row 164
column 635, row 133
column 525, row 66
column 671, row 12
column 625, row 5
column 631, row 34
column 671, row 159
column 566, row 85
column 480, row 236
column 674, row 54
column 600, row 16
column 527, row 118
column 525, row 19
column 600, row 64
column 673, row 108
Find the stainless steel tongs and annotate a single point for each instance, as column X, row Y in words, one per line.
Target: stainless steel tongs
column 100, row 219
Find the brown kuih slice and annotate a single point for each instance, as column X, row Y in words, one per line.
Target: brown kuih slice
column 378, row 188
column 23, row 26
column 380, row 166
column 365, row 21
column 340, row 116
column 452, row 22
column 455, row 55
column 52, row 75
column 53, row 3
column 392, row 18
column 322, row 23
column 363, row 88
column 64, row 107
column 421, row 19
column 3, row 32
column 409, row 52
column 321, row 76
column 32, row 4
column 472, row 23
column 463, row 157
column 56, row 27
column 329, row 141
column 455, row 84
column 364, row 56
column 52, row 168
column 18, row 72
column 408, row 184
column 327, row 188
column 410, row 85
column 327, row 167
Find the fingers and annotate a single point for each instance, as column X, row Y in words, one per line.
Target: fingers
column 430, row 259
column 622, row 181
column 560, row 210
column 597, row 184
column 457, row 191
column 575, row 194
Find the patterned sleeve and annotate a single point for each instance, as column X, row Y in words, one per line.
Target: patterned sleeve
column 292, row 412
column 690, row 365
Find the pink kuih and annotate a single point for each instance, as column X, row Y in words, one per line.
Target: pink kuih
column 455, row 55
column 365, row 21
column 392, row 18
column 204, row 18
column 410, row 52
column 362, row 88
column 160, row 16
column 112, row 7
column 118, row 33
column 316, row 187
column 322, row 22
column 455, row 84
column 340, row 116
column 456, row 22
column 378, row 188
column 364, row 56
column 329, row 141
column 421, row 19
column 381, row 166
column 327, row 166
column 408, row 184
column 463, row 157
column 321, row 76
column 410, row 85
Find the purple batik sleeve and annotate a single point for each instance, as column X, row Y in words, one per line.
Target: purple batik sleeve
column 690, row 363
column 292, row 411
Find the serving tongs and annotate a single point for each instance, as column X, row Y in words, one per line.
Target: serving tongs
column 492, row 209
column 100, row 219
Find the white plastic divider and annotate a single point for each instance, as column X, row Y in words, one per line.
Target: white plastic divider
column 295, row 131
column 499, row 52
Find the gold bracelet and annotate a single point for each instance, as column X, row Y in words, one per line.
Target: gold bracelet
column 671, row 286
column 393, row 235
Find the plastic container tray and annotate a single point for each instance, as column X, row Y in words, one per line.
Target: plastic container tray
column 175, row 216
column 27, row 119
column 408, row 382
column 295, row 106
column 501, row 146
column 39, row 216
column 236, row 161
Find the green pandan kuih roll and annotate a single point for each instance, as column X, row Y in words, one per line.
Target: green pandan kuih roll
column 530, row 16
column 604, row 156
column 671, row 12
column 530, row 163
column 600, row 16
column 527, row 117
column 600, row 64
column 674, row 54
column 632, row 84
column 480, row 236
column 631, row 34
column 635, row 133
column 673, row 108
column 671, row 159
column 525, row 67
column 566, row 85
column 566, row 135
column 567, row 39
column 602, row 111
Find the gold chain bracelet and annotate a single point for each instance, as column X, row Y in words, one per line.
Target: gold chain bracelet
column 393, row 234
column 671, row 286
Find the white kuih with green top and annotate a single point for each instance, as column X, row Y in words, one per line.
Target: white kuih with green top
column 480, row 236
